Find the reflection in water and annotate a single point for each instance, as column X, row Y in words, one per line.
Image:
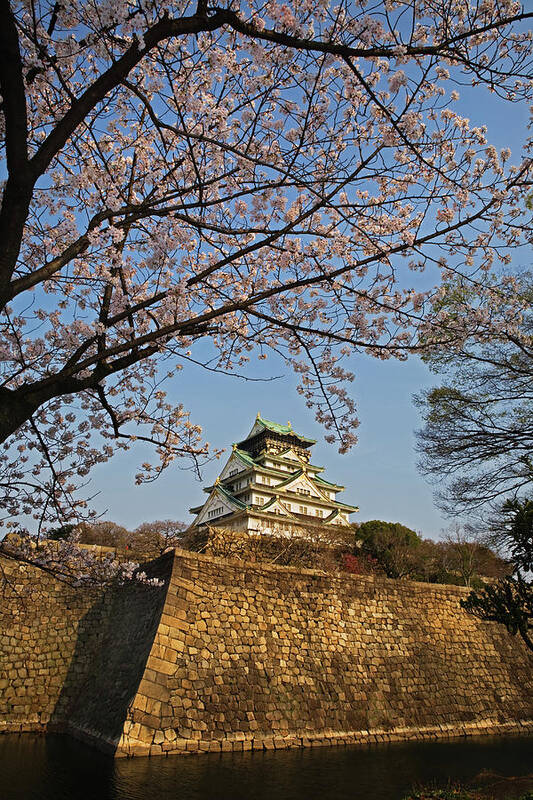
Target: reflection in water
column 59, row 768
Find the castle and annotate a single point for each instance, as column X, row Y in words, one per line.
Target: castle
column 268, row 485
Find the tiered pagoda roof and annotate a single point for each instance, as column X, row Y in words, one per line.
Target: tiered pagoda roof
column 269, row 474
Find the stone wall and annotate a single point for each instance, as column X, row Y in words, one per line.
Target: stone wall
column 232, row 656
column 256, row 656
column 39, row 620
column 71, row 659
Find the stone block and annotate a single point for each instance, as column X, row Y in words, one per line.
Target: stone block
column 160, row 666
column 154, row 690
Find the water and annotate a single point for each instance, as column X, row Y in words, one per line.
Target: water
column 59, row 768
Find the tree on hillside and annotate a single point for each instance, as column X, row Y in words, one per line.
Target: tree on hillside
column 308, row 546
column 259, row 176
column 151, row 539
column 61, row 532
column 148, row 540
column 430, row 563
column 399, row 552
column 463, row 555
column 393, row 546
column 477, row 442
column 510, row 600
column 104, row 533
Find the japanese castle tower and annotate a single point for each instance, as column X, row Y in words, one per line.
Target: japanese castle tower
column 268, row 485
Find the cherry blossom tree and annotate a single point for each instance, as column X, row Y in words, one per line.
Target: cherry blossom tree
column 264, row 177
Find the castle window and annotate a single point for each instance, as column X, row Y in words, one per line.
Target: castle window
column 215, row 512
column 319, row 512
column 302, row 509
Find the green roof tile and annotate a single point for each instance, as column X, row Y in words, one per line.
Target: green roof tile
column 285, row 430
column 289, row 478
column 346, row 507
column 244, row 456
column 318, row 479
column 230, row 497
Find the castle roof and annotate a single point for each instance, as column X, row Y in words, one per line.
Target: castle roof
column 217, row 488
column 260, row 425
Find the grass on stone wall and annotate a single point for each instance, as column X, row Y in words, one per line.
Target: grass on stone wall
column 461, row 793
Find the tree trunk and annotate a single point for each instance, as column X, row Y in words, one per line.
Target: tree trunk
column 16, row 408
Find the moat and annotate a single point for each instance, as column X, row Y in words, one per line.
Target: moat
column 58, row 768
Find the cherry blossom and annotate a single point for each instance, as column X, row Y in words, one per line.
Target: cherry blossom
column 264, row 176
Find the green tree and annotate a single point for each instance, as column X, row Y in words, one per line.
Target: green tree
column 392, row 545
column 520, row 536
column 510, row 600
column 61, row 532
